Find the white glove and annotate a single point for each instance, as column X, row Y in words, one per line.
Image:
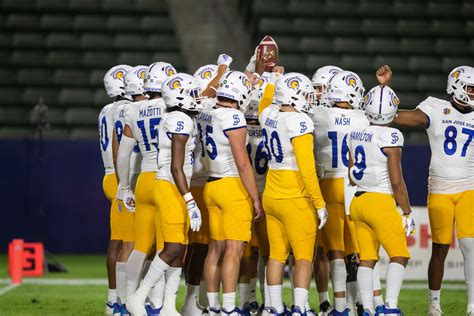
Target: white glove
column 408, row 224
column 323, row 217
column 253, row 60
column 195, row 219
column 224, row 59
column 274, row 76
column 128, row 199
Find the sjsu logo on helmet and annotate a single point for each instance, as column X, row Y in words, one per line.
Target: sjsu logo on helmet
column 206, row 73
column 351, row 80
column 141, row 73
column 175, row 83
column 293, row 83
column 119, row 73
column 457, row 72
column 169, row 71
column 246, row 82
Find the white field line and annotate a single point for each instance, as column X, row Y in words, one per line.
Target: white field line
column 76, row 282
column 8, row 288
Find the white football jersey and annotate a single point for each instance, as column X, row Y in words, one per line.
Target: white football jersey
column 331, row 129
column 212, row 126
column 144, row 119
column 451, row 136
column 175, row 122
column 278, row 129
column 257, row 154
column 370, row 170
column 119, row 114
column 106, row 128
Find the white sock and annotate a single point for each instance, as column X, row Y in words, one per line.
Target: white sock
column 121, row 281
column 228, row 301
column 191, row 295
column 467, row 248
column 253, row 290
column 203, row 301
column 394, row 279
column 276, row 302
column 157, row 269
column 301, row 297
column 213, row 298
column 157, row 294
column 134, row 270
column 323, row 296
column 244, row 294
column 338, row 277
column 378, row 300
column 112, row 296
column 172, row 278
column 435, row 297
column 351, row 293
column 365, row 284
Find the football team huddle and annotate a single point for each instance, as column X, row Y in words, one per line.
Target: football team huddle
column 233, row 175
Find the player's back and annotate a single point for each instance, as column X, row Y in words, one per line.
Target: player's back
column 257, row 154
column 331, row 129
column 106, row 127
column 144, row 119
column 212, row 127
column 175, row 122
column 451, row 136
column 278, row 130
column 370, row 170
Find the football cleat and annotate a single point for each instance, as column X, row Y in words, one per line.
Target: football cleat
column 311, row 312
column 379, row 310
column 136, row 306
column 117, row 309
column 191, row 310
column 212, row 311
column 150, row 311
column 296, row 311
column 336, row 313
column 360, row 309
column 124, row 311
column 235, row 312
column 434, row 310
column 392, row 311
column 325, row 308
column 109, row 308
column 252, row 309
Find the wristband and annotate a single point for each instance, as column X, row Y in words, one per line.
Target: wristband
column 188, row 197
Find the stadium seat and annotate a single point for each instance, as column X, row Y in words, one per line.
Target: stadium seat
column 339, row 8
column 270, row 7
column 432, row 82
column 306, row 7
column 383, row 45
column 409, row 100
column 408, row 28
column 451, row 46
column 343, row 26
column 96, row 77
column 308, row 26
column 293, row 62
column 84, row 133
column 413, row 46
column 82, row 116
column 56, row 22
column 368, row 79
column 313, row 62
column 35, row 77
column 274, row 26
column 375, row 8
column 448, row 28
column 63, row 40
column 32, row 96
column 469, row 27
column 67, row 77
column 378, row 27
column 321, row 45
column 409, row 8
column 22, row 21
column 90, row 23
column 135, row 58
column 156, row 24
column 11, row 95
column 151, row 6
column 468, row 9
column 129, row 41
column 19, row 5
column 288, row 43
column 76, row 96
column 406, row 82
column 95, row 41
column 357, row 63
column 52, row 5
column 8, row 76
column 426, row 64
column 443, row 8
column 29, row 40
column 5, row 40
column 64, row 58
column 118, row 6
column 55, row 116
column 99, row 59
column 399, row 64
column 123, row 23
column 163, row 42
column 348, row 45
column 13, row 116
column 173, row 58
column 28, row 58
column 92, row 6
column 449, row 63
column 100, row 98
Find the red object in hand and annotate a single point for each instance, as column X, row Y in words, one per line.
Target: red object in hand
column 268, row 49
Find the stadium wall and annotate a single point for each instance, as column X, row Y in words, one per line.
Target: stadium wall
column 74, row 212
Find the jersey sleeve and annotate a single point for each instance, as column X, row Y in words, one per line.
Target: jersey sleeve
column 391, row 137
column 267, row 97
column 232, row 119
column 299, row 125
column 427, row 107
column 179, row 123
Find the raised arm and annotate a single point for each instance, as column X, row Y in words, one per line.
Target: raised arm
column 223, row 63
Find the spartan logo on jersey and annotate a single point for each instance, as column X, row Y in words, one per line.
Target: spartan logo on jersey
column 169, row 71
column 119, row 73
column 175, row 83
column 351, row 80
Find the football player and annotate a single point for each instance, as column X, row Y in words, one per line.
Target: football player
column 141, row 126
column 375, row 167
column 199, row 241
column 176, row 206
column 450, row 129
column 332, row 125
column 292, row 197
column 114, row 87
column 133, row 80
column 230, row 191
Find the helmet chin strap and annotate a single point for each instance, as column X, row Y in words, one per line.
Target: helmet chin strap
column 461, row 106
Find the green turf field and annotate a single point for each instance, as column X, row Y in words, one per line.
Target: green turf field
column 60, row 298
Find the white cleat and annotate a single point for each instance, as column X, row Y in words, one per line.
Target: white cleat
column 266, row 313
column 109, row 308
column 434, row 310
column 191, row 310
column 135, row 306
column 470, row 312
